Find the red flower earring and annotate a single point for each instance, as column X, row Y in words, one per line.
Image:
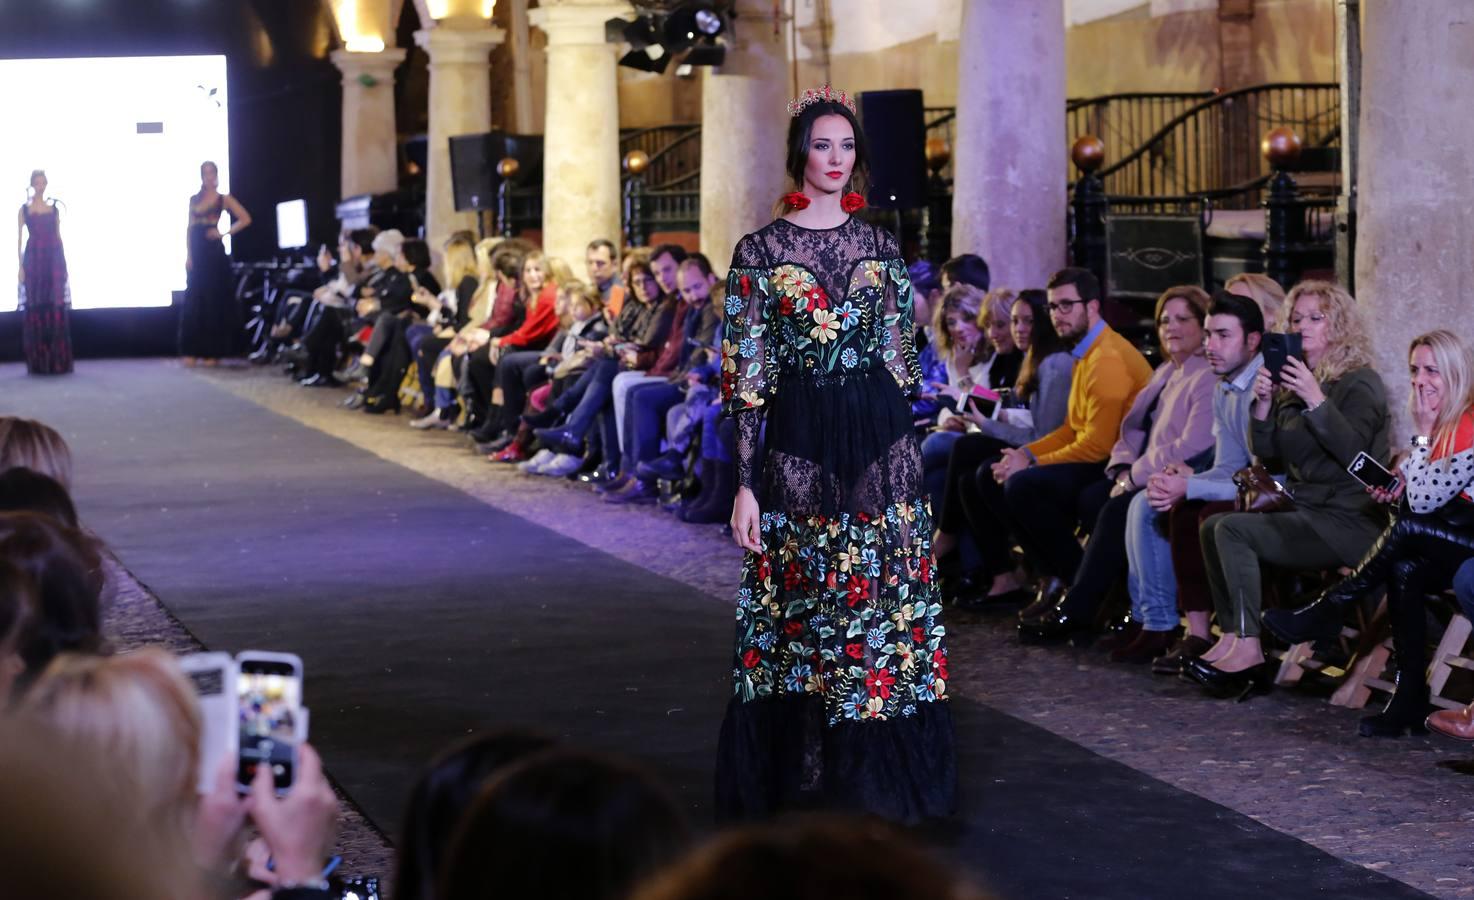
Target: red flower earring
column 852, row 202
column 796, row 200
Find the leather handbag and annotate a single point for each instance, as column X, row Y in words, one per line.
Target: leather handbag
column 1259, row 491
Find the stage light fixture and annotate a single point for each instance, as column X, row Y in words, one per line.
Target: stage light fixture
column 705, row 54
column 643, row 61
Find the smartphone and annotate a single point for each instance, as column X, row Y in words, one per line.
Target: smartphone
column 1277, row 348
column 271, row 719
column 984, row 400
column 213, row 676
column 1372, row 473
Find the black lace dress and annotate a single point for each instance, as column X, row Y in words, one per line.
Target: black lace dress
column 840, row 672
column 210, row 323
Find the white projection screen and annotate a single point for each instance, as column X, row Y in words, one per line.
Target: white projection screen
column 121, row 140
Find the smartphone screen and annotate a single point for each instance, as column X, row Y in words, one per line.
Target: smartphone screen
column 1371, row 473
column 270, row 707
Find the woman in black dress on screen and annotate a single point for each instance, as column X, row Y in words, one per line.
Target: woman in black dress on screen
column 44, row 300
column 840, row 671
column 211, row 321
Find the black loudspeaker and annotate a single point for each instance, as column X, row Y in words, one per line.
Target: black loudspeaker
column 473, row 179
column 895, row 127
column 473, row 159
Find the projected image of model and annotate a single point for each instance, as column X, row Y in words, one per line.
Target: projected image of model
column 120, row 141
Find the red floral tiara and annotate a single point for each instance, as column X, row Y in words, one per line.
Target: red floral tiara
column 825, row 94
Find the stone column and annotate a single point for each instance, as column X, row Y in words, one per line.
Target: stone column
column 1009, row 162
column 370, row 151
column 460, row 103
column 744, row 126
column 581, row 128
column 1416, row 179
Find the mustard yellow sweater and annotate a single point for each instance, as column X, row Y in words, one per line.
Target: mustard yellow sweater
column 1104, row 383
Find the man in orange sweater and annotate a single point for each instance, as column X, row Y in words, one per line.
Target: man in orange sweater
column 1052, row 486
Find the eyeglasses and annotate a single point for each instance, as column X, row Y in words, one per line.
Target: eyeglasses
column 1313, row 317
column 1057, row 306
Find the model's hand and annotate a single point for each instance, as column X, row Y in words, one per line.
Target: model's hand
column 1263, row 394
column 747, row 521
column 212, row 234
column 188, row 264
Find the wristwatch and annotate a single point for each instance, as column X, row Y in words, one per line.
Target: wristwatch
column 1422, row 440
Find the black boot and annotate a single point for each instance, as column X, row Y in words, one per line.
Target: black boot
column 1406, row 583
column 718, row 487
column 1321, row 619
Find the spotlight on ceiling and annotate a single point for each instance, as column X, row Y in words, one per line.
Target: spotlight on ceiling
column 693, row 21
column 647, row 59
column 688, row 31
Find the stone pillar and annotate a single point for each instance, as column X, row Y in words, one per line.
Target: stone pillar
column 744, row 126
column 522, row 105
column 1416, row 179
column 581, row 128
column 370, row 139
column 460, row 103
column 1009, row 164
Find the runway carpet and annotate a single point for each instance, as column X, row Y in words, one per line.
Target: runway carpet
column 423, row 616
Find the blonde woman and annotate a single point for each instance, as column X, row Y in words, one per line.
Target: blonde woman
column 1315, row 419
column 1262, row 289
column 1432, row 537
column 450, row 311
column 29, row 444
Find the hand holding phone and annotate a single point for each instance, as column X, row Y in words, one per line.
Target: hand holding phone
column 1374, row 475
column 1278, row 347
column 271, row 717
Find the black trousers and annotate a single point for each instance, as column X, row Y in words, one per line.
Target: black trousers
column 1046, row 504
column 389, row 347
column 517, row 374
column 963, row 506
column 323, row 336
column 480, row 380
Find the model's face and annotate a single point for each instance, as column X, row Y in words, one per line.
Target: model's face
column 210, row 177
column 1309, row 321
column 1228, row 348
column 533, row 276
column 665, row 266
column 831, row 154
column 1178, row 329
column 600, row 263
column 695, row 287
column 999, row 334
column 38, row 184
column 1021, row 325
column 1068, row 312
column 644, row 285
column 1427, row 379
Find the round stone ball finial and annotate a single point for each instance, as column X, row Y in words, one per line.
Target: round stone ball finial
column 507, row 167
column 1088, row 153
column 636, row 162
column 938, row 153
column 1281, row 147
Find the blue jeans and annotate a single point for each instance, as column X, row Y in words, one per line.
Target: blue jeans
column 644, row 420
column 1150, row 576
column 599, row 381
column 936, row 453
column 1464, row 587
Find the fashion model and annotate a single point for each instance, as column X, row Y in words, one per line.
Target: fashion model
column 44, row 300
column 841, row 669
column 210, row 324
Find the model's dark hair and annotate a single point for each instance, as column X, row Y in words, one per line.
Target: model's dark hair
column 801, row 131
column 416, row 252
column 563, row 823
column 1083, row 280
column 441, row 797
column 968, row 268
column 26, row 490
column 1245, row 309
column 1042, row 342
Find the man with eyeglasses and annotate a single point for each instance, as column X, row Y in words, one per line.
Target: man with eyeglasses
column 1042, row 485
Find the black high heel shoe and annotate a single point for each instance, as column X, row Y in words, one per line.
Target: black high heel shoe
column 1056, row 626
column 1319, row 620
column 1223, row 685
column 1405, row 713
